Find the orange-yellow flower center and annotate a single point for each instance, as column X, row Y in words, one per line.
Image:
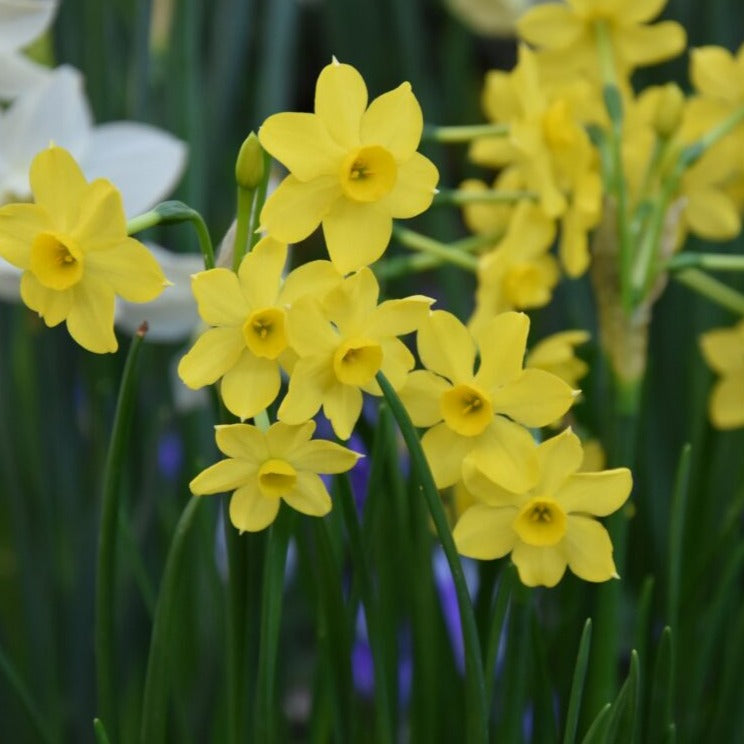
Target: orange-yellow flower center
column 541, row 521
column 276, row 478
column 264, row 332
column 466, row 410
column 56, row 261
column 368, row 173
column 357, row 361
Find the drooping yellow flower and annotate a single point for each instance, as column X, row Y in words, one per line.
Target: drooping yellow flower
column 73, row 248
column 264, row 468
column 723, row 350
column 343, row 343
column 556, row 354
column 480, row 416
column 352, row 168
column 248, row 314
column 551, row 525
column 568, row 31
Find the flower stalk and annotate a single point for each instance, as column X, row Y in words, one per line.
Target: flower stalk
column 434, row 248
column 466, row 133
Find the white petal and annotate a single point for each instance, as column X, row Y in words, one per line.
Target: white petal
column 22, row 21
column 18, row 74
column 143, row 162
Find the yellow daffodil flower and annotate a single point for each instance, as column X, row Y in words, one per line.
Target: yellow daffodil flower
column 568, row 31
column 73, row 248
column 264, row 468
column 352, row 168
column 723, row 350
column 556, row 354
column 467, row 411
column 551, row 525
column 248, row 315
column 343, row 343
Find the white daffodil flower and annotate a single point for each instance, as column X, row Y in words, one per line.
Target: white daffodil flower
column 21, row 22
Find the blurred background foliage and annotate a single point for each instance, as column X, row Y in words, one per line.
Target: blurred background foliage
column 210, row 72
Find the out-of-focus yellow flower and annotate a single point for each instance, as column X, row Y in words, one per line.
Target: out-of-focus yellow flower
column 519, row 273
column 264, row 468
column 352, row 168
column 723, row 349
column 248, row 315
column 556, row 354
column 342, row 343
column 568, row 32
column 73, row 248
column 551, row 525
column 480, row 417
column 595, row 457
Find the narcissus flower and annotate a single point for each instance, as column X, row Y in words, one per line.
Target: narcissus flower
column 551, row 525
column 480, row 416
column 73, row 248
column 352, row 168
column 723, row 349
column 248, row 315
column 343, row 343
column 556, row 354
column 264, row 468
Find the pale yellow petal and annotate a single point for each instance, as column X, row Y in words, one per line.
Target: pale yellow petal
column 213, row 354
column 502, row 343
column 446, row 347
column 421, row 394
column 219, row 298
column 315, row 278
column 302, row 144
column 51, row 304
column 250, row 510
column 485, row 532
column 356, row 233
column 311, row 378
column 340, row 101
column 647, row 45
column 321, row 456
column 598, row 494
column 58, row 186
column 550, row 25
column 91, row 317
column 242, row 441
column 394, row 120
column 712, row 214
column 100, row 220
column 350, row 304
column 414, row 188
column 558, row 457
column 723, row 348
column 535, row 398
column 588, row 549
column 712, row 69
column 539, row 565
column 727, row 402
column 342, row 406
column 283, row 439
column 19, row 225
column 296, row 208
column 483, row 489
column 445, row 451
column 309, row 495
column 309, row 330
column 223, row 476
column 397, row 362
column 250, row 385
column 260, row 273
column 398, row 317
column 640, row 11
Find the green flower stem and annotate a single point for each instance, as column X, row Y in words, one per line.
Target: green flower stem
column 617, row 184
column 246, row 198
column 709, row 261
column 171, row 212
column 442, row 251
column 100, row 732
column 500, row 606
column 464, row 133
column 477, row 715
column 719, row 131
column 155, row 703
column 712, row 289
column 106, row 564
column 271, row 613
column 489, row 196
column 263, row 187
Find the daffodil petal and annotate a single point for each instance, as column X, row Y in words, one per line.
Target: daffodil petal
column 301, row 142
column 309, row 495
column 722, row 348
column 261, row 272
column 502, row 343
column 241, row 441
column 588, row 549
column 711, row 70
column 342, row 406
column 712, row 214
column 19, row 225
column 727, row 402
column 421, row 394
column 91, row 317
column 315, row 278
column 219, row 298
column 445, row 450
column 100, row 219
column 340, row 101
column 640, row 11
column 647, row 45
column 296, row 208
column 223, row 476
column 535, row 398
column 356, row 233
column 446, row 347
column 250, row 385
column 284, row 439
column 539, row 565
column 397, row 362
column 310, row 380
column 352, row 302
column 485, row 532
column 398, row 317
column 250, row 510
column 394, row 120
column 213, row 354
column 598, row 494
column 550, row 25
column 559, row 457
column 414, row 187
column 309, row 330
column 483, row 489
column 24, row 22
column 51, row 304
column 322, row 456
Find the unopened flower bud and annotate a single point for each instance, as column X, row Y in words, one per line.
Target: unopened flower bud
column 249, row 167
column 669, row 109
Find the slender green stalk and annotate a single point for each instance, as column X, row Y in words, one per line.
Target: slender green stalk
column 32, row 709
column 464, row 133
column 100, row 731
column 106, row 564
column 442, row 251
column 171, row 212
column 246, row 198
column 489, row 196
column 271, row 613
column 498, row 613
column 678, row 510
column 577, row 684
column 155, row 702
column 262, row 188
column 712, row 289
column 477, row 716
column 709, row 261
